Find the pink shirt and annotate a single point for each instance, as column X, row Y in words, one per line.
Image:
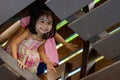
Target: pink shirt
column 50, row 45
column 25, row 21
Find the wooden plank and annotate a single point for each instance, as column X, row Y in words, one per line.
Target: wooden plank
column 9, row 8
column 111, row 72
column 109, row 47
column 65, row 8
column 97, row 20
column 6, row 74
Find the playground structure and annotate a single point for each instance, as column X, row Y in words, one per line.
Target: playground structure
column 97, row 27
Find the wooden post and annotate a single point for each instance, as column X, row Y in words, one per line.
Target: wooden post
column 85, row 53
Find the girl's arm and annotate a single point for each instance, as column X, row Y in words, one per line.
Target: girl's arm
column 15, row 42
column 70, row 46
column 10, row 31
column 60, row 39
column 14, row 45
column 49, row 64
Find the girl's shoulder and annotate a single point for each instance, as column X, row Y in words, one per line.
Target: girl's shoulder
column 25, row 21
column 25, row 33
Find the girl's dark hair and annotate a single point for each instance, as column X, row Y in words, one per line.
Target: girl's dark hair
column 37, row 5
column 34, row 17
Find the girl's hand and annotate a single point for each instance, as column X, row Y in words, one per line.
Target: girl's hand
column 71, row 46
column 50, row 66
column 21, row 65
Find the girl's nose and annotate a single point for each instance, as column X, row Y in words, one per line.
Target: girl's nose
column 45, row 25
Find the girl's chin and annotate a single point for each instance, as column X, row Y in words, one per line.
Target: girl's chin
column 43, row 32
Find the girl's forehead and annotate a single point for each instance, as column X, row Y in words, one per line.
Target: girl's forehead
column 46, row 17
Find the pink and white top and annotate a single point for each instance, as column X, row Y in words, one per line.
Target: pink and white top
column 28, row 54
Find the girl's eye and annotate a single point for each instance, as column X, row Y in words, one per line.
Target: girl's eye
column 42, row 21
column 49, row 23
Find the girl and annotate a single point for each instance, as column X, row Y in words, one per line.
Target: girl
column 50, row 46
column 28, row 47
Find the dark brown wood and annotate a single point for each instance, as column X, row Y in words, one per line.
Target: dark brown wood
column 68, row 68
column 92, row 56
column 85, row 53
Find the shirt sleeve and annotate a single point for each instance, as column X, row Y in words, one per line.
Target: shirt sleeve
column 25, row 21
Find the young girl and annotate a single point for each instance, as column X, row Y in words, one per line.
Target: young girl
column 49, row 49
column 50, row 46
column 28, row 47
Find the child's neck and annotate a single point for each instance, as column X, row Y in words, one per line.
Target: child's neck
column 37, row 37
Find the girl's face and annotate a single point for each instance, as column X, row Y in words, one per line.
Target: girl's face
column 44, row 24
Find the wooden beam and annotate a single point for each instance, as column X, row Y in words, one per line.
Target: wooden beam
column 85, row 53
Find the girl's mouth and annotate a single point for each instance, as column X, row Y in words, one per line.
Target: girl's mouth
column 44, row 29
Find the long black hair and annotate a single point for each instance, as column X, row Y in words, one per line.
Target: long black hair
column 37, row 5
column 34, row 17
